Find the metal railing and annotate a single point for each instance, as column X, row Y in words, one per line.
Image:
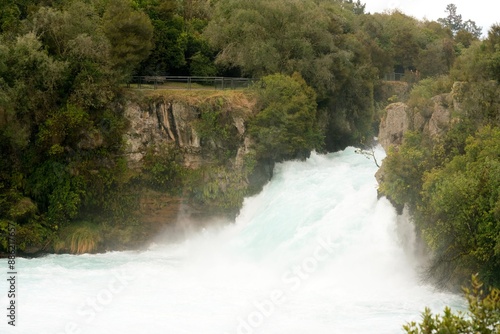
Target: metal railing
column 188, row 82
column 394, row 76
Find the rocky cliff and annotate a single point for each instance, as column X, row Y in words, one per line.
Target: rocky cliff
column 433, row 119
column 159, row 121
column 210, row 132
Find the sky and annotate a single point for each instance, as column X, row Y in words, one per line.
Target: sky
column 483, row 12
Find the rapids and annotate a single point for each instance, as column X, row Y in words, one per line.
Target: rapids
column 314, row 252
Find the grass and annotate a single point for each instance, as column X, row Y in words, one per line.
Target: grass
column 188, row 86
column 238, row 99
column 79, row 238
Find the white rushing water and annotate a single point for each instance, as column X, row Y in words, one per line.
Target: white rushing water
column 314, row 252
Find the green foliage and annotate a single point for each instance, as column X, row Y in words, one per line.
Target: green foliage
column 404, row 169
column 218, row 189
column 286, row 127
column 213, row 124
column 286, row 41
column 422, row 93
column 451, row 182
column 358, row 8
column 437, row 58
column 406, row 40
column 59, row 93
column 452, row 190
column 179, row 47
column 201, row 65
column 461, row 202
column 159, row 9
column 482, row 316
column 56, row 191
column 32, row 78
column 9, row 17
column 34, row 233
column 453, row 195
column 129, row 32
column 455, row 23
column 58, row 27
column 168, row 53
column 80, row 238
column 472, row 65
column 480, row 102
column 64, row 128
column 219, row 138
column 163, row 169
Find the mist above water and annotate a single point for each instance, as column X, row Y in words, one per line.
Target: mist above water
column 314, row 252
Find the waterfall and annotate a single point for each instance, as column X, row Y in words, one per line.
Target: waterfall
column 314, row 252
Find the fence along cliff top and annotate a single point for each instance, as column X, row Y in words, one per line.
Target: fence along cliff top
column 189, row 82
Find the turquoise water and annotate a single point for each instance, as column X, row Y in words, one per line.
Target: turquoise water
column 314, row 252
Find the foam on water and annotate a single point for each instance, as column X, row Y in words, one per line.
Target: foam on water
column 314, row 252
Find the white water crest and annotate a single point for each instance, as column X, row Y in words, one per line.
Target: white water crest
column 314, row 252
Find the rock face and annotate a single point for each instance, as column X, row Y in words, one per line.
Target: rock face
column 166, row 120
column 180, row 121
column 399, row 118
column 440, row 119
column 432, row 121
column 159, row 123
column 394, row 125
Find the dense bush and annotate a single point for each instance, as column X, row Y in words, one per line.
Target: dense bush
column 286, row 127
column 482, row 316
column 451, row 182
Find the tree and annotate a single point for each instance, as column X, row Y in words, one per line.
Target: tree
column 179, row 46
column 437, row 58
column 286, row 127
column 159, row 9
column 482, row 316
column 471, row 27
column 404, row 169
column 168, row 53
column 57, row 27
column 32, row 80
column 129, row 32
column 455, row 23
column 464, row 38
column 265, row 37
column 57, row 84
column 358, row 8
column 493, row 39
column 407, row 39
column 461, row 207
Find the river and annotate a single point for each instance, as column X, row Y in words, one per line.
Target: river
column 314, row 252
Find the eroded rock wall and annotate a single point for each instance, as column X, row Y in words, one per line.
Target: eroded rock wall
column 161, row 122
column 174, row 120
column 400, row 118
